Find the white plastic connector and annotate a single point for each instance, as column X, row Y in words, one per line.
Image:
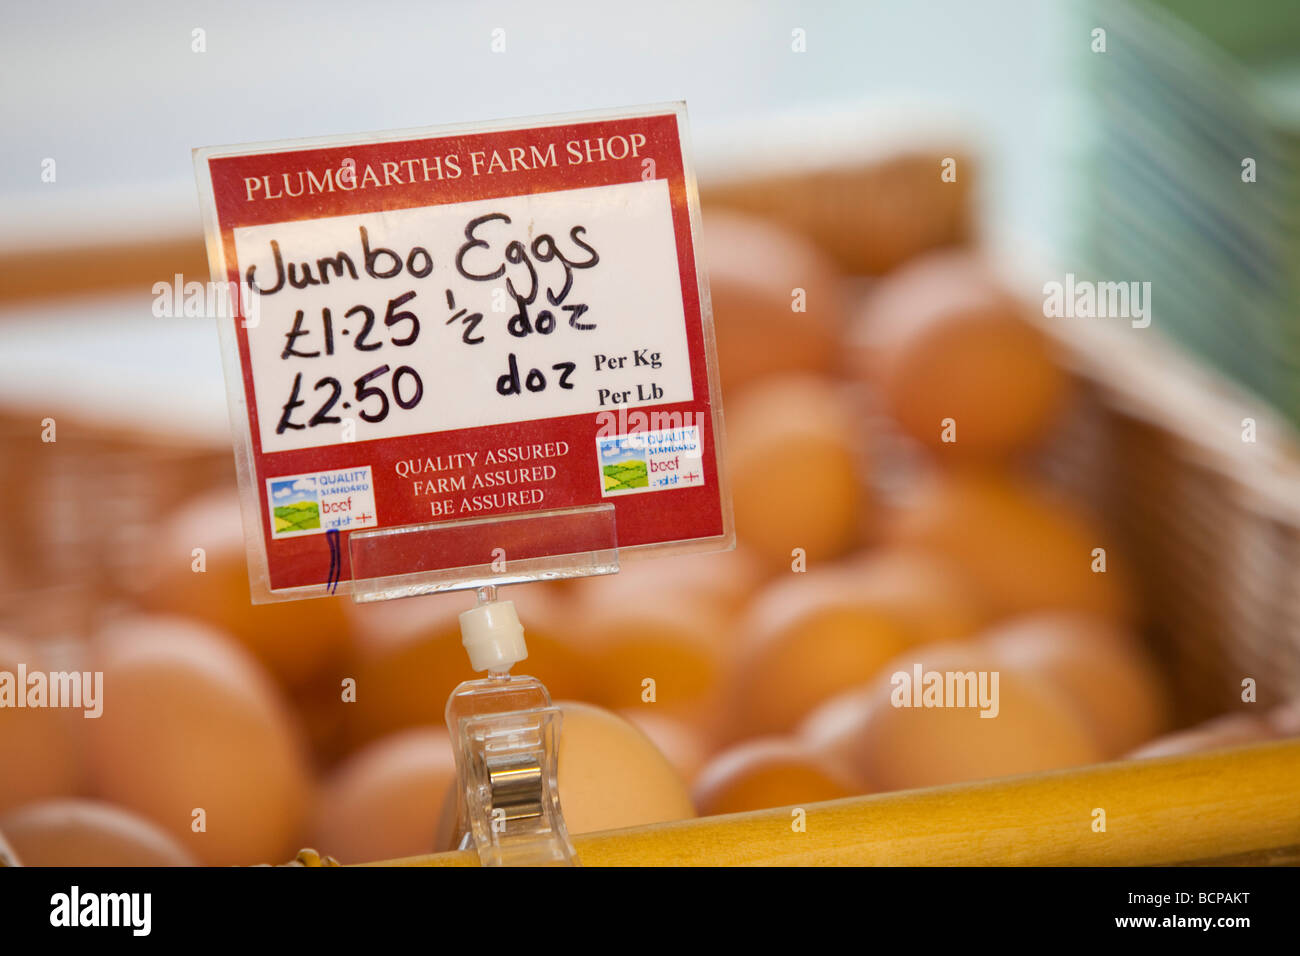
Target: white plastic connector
column 493, row 636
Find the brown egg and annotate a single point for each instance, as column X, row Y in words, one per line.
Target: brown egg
column 677, row 740
column 941, row 340
column 724, row 579
column 323, row 708
column 763, row 325
column 8, row 855
column 1285, row 720
column 893, row 747
column 611, row 775
column 385, row 801
column 295, row 640
column 923, row 592
column 448, row 836
column 72, row 832
column 40, row 747
column 671, row 656
column 769, row 772
column 1230, row 730
column 191, row 723
column 1104, row 672
column 794, row 461
column 805, row 639
column 410, row 658
column 1023, row 548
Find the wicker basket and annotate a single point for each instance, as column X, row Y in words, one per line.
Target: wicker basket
column 1210, row 521
column 93, row 502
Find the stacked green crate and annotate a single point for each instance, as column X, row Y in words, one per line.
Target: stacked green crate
column 1186, row 92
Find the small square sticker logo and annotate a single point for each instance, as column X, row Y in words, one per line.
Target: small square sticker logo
column 295, row 508
column 324, row 501
column 650, row 461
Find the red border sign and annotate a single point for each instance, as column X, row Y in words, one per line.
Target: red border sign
column 330, row 480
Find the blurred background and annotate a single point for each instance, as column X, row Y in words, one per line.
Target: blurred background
column 1115, row 529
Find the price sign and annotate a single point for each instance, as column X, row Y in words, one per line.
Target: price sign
column 452, row 323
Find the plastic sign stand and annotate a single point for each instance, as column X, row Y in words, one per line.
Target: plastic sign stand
column 505, row 733
column 535, row 546
column 465, row 357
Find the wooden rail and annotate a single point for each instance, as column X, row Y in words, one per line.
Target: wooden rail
column 1241, row 804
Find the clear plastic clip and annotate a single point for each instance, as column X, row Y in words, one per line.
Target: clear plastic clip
column 506, row 735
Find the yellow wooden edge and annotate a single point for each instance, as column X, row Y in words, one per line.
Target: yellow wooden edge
column 1160, row 811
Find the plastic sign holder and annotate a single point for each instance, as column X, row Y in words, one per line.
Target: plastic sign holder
column 535, row 546
column 505, row 732
column 465, row 357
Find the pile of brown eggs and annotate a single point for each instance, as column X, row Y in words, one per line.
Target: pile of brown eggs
column 877, row 437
